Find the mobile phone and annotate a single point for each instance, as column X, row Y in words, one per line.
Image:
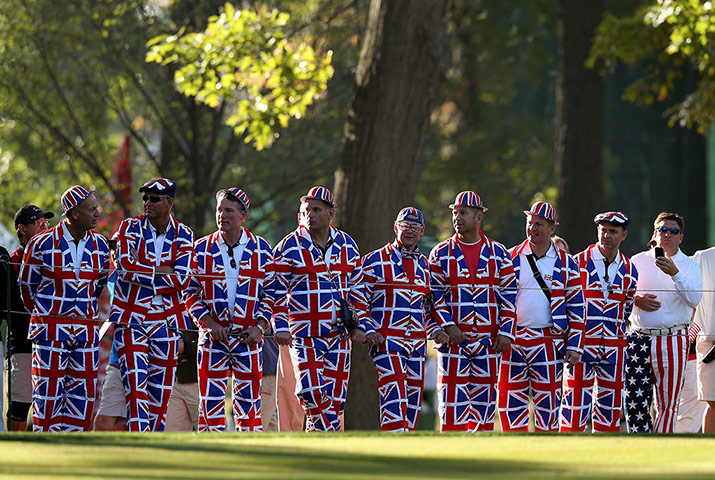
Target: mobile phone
column 659, row 252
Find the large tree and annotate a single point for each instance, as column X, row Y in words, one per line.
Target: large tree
column 402, row 63
column 579, row 123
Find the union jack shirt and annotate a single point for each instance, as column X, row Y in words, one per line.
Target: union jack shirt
column 484, row 309
column 567, row 307
column 137, row 282
column 396, row 305
column 207, row 292
column 607, row 306
column 61, row 296
column 308, row 292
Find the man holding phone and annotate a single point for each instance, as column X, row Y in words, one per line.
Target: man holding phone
column 669, row 287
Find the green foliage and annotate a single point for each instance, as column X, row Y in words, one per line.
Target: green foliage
column 244, row 57
column 666, row 38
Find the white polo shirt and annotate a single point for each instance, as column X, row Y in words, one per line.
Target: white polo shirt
column 705, row 312
column 533, row 309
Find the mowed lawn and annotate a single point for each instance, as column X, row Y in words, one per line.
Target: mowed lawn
column 355, row 455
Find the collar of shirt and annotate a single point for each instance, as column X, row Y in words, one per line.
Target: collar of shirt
column 242, row 241
column 597, row 256
column 404, row 253
column 550, row 253
column 332, row 234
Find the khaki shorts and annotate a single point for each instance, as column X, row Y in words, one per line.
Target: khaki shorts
column 113, row 402
column 19, row 371
column 706, row 371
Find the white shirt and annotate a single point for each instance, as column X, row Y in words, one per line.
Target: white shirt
column 76, row 249
column 158, row 248
column 705, row 313
column 230, row 272
column 678, row 295
column 598, row 261
column 533, row 309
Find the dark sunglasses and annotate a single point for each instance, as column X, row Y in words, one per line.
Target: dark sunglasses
column 153, row 198
column 672, row 230
column 233, row 260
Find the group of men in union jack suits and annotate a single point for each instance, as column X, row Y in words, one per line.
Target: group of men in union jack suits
column 511, row 327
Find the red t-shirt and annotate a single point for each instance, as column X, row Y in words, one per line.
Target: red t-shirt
column 408, row 263
column 471, row 253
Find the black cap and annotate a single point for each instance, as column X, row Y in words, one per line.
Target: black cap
column 30, row 213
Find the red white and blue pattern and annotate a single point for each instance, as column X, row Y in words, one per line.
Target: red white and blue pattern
column 239, row 194
column 245, row 364
column 147, row 360
column 410, row 214
column 397, row 309
column 160, row 185
column 322, row 370
column 137, row 284
column 543, row 209
column 63, row 327
column 533, row 366
column 307, row 295
column 73, row 196
column 616, row 218
column 319, row 193
column 468, row 198
column 603, row 358
column 482, row 311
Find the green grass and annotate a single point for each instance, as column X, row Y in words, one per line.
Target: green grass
column 355, row 455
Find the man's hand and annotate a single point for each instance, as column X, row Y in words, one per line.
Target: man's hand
column 283, row 338
column 251, row 335
column 667, row 265
column 180, row 348
column 357, row 336
column 502, row 343
column 164, row 270
column 218, row 333
column 647, row 302
column 440, row 336
column 456, row 336
column 374, row 338
column 572, row 358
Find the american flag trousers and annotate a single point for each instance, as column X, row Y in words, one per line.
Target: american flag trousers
column 147, row 360
column 533, row 366
column 466, row 381
column 399, row 365
column 322, row 370
column 654, row 361
column 244, row 362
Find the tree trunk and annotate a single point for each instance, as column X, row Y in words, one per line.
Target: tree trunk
column 404, row 57
column 579, row 124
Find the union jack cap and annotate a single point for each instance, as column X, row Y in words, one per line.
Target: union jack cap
column 235, row 193
column 162, row 186
column 616, row 218
column 319, row 193
column 543, row 209
column 410, row 214
column 73, row 196
column 468, row 198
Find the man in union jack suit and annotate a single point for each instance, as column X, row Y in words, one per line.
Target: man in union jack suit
column 154, row 256
column 474, row 289
column 550, row 310
column 396, row 279
column 317, row 269
column 230, row 296
column 609, row 281
column 63, row 273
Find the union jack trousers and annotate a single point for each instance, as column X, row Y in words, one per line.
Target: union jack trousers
column 308, row 294
column 148, row 354
column 593, row 389
column 468, row 372
column 62, row 301
column 147, row 361
column 254, row 300
column 534, row 364
column 322, row 369
column 646, row 355
column 245, row 363
column 397, row 310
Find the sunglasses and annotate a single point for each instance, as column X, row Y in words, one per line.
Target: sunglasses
column 42, row 222
column 672, row 230
column 153, row 198
column 410, row 226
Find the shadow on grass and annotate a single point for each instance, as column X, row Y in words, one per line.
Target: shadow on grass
column 186, row 456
